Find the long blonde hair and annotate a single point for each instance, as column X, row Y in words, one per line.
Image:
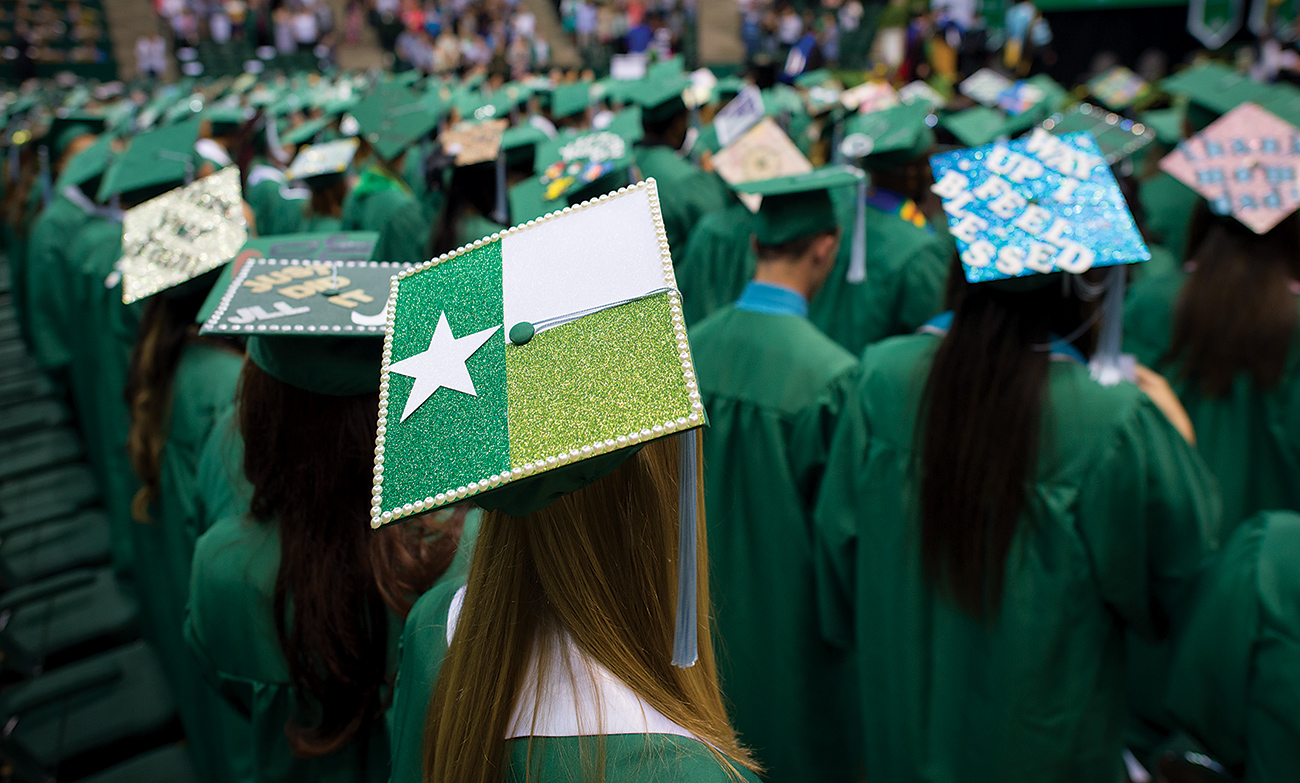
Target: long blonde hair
column 599, row 564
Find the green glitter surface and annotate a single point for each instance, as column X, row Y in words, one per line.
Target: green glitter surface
column 599, row 377
column 453, row 438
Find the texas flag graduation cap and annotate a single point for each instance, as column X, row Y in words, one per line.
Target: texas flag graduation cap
column 1244, row 164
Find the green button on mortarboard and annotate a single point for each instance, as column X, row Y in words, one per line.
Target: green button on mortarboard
column 521, row 333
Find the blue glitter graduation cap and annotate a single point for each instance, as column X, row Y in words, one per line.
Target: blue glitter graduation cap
column 1035, row 206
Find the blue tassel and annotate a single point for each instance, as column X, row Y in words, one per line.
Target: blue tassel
column 685, row 639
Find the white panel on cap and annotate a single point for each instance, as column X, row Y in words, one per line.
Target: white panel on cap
column 588, row 259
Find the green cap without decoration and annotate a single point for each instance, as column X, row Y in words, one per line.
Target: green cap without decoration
column 976, row 126
column 87, row 164
column 1213, row 89
column 154, row 159
column 660, row 99
column 570, row 99
column 890, row 137
column 799, row 205
column 520, row 143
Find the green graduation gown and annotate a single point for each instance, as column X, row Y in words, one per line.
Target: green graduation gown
column 773, row 386
column 1169, row 205
column 103, row 331
column 274, row 212
column 1235, row 684
column 1120, row 521
column 629, row 758
column 1250, row 438
column 686, row 194
column 475, row 227
column 203, row 390
column 382, row 202
column 49, row 270
column 907, row 270
column 221, row 489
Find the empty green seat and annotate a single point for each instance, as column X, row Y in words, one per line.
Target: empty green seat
column 49, row 494
column 87, row 716
column 35, row 450
column 66, row 617
column 30, row 551
column 168, row 764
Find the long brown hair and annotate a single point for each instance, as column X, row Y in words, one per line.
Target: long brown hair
column 979, row 435
column 309, row 459
column 166, row 327
column 599, row 564
column 1237, row 311
column 327, row 198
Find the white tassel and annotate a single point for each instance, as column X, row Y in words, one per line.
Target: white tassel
column 858, row 251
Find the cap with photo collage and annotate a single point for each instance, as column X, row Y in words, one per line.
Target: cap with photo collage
column 1244, row 164
column 153, row 159
column 180, row 236
column 523, row 367
column 330, row 159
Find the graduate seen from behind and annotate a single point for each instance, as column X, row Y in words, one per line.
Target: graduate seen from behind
column 773, row 385
column 295, row 606
column 580, row 648
column 993, row 518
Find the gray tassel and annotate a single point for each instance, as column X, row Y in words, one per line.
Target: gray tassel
column 47, row 186
column 858, row 251
column 1108, row 365
column 685, row 639
column 501, row 214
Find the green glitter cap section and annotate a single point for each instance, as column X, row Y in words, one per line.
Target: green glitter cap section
column 604, row 375
column 453, row 438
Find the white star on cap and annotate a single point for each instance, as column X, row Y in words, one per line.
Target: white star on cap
column 442, row 366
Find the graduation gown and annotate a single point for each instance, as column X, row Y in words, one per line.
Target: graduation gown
column 630, row 756
column 382, row 202
column 1250, row 438
column 907, row 271
column 221, row 489
column 1119, row 523
column 274, row 212
column 103, row 331
column 1235, row 684
column 686, row 194
column 49, row 271
column 773, row 386
column 1169, row 205
column 203, row 390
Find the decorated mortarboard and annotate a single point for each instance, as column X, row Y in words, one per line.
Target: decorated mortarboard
column 1116, row 137
column 1244, row 164
column 178, row 236
column 921, row 92
column 763, row 152
column 87, row 164
column 570, row 99
column 1118, row 88
column 661, row 99
column 739, row 115
column 1020, row 97
column 304, row 296
column 798, row 205
column 318, row 160
column 890, row 137
column 628, row 67
column 869, row 96
column 1035, row 206
column 985, row 86
column 473, row 142
column 153, row 159
column 583, row 162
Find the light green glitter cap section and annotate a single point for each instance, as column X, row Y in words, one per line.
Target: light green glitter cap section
column 532, row 398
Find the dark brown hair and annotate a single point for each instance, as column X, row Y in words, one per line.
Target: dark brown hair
column 793, row 249
column 978, row 436
column 327, row 197
column 309, row 458
column 1237, row 311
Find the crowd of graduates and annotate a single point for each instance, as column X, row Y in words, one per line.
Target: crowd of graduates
column 936, row 542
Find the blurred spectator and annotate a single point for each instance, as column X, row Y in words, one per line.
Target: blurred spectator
column 151, row 56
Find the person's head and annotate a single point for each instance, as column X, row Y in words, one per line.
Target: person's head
column 73, row 147
column 977, row 431
column 306, row 410
column 802, row 264
column 599, row 565
column 472, row 191
column 1237, row 310
column 327, row 195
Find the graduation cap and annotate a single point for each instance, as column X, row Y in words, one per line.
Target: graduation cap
column 181, row 235
column 1118, row 88
column 976, row 126
column 528, row 366
column 660, row 99
column 87, row 164
column 570, row 99
column 589, row 162
column 1035, row 206
column 1167, row 124
column 1244, row 164
column 227, row 119
column 155, row 158
column 392, row 132
column 1213, row 89
column 798, row 205
column 921, row 92
column 520, row 143
column 985, row 86
column 320, row 160
column 66, row 128
column 307, row 131
column 763, row 152
column 473, row 142
column 890, row 137
column 1117, row 137
column 870, row 96
column 813, row 78
column 666, row 69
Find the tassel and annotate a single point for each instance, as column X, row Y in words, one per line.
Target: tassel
column 1108, row 365
column 837, row 139
column 685, row 639
column 273, row 141
column 858, row 252
column 501, row 214
column 43, row 157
